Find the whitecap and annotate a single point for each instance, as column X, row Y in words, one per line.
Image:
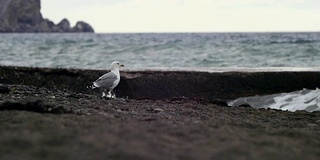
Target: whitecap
column 306, row 99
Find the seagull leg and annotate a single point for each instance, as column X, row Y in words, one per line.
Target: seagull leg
column 112, row 94
column 103, row 93
column 109, row 95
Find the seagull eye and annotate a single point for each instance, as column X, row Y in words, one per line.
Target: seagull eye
column 118, row 63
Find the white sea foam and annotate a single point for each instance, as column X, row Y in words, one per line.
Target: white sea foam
column 306, row 99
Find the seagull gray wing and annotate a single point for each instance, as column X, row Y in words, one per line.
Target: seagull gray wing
column 106, row 80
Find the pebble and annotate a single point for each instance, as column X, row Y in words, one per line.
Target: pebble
column 106, row 114
column 4, row 89
column 312, row 125
column 122, row 111
column 158, row 110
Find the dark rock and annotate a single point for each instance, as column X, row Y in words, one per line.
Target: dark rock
column 25, row 16
column 48, row 26
column 158, row 110
column 64, row 25
column 82, row 27
column 19, row 15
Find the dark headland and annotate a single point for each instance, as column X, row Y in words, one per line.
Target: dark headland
column 24, row 16
column 160, row 114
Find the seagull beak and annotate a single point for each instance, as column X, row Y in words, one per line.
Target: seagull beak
column 121, row 65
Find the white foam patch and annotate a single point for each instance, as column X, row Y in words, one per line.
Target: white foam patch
column 306, row 99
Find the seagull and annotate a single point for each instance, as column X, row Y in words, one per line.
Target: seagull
column 109, row 81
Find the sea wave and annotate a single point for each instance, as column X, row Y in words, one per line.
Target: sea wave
column 161, row 50
column 306, row 99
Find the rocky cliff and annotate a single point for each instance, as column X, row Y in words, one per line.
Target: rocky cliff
column 25, row 16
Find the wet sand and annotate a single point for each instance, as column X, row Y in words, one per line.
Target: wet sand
column 46, row 123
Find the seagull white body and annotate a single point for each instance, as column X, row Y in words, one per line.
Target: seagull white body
column 109, row 80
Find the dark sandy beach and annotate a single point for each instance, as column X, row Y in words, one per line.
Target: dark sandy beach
column 49, row 123
column 37, row 123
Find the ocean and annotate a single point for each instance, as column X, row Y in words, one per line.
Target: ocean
column 140, row 50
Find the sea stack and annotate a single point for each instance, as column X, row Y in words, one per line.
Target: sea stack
column 25, row 16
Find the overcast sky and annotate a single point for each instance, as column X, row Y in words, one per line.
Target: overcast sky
column 113, row 16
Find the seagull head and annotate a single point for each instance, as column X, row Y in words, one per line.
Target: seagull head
column 116, row 64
